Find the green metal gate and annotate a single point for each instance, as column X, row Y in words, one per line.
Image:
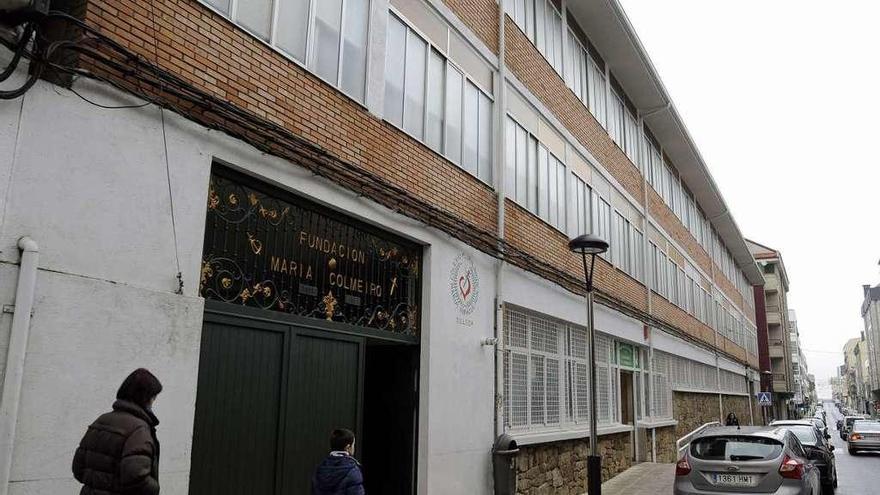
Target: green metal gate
column 250, row 434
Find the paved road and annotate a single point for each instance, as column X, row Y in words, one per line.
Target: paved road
column 858, row 474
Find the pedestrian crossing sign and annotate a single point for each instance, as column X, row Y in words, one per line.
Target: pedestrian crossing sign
column 764, row 399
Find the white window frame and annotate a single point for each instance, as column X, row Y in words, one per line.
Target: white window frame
column 309, row 51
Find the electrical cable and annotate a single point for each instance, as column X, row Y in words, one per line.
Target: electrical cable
column 36, row 71
column 19, row 49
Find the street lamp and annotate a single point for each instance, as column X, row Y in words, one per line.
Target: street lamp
column 590, row 245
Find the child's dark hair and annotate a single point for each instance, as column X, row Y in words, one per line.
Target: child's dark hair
column 341, row 438
column 139, row 387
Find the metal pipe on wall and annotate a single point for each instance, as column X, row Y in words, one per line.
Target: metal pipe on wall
column 501, row 152
column 18, row 339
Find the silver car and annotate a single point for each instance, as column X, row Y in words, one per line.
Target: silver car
column 864, row 435
column 755, row 459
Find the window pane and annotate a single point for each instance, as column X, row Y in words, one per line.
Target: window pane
column 414, row 108
column 551, row 179
column 521, row 157
column 470, row 159
column 560, row 195
column 485, row 172
column 543, row 182
column 328, row 17
column 354, row 50
column 221, row 5
column 394, row 71
column 256, row 16
column 541, row 26
column 292, row 31
column 434, row 102
column 510, row 159
column 533, row 175
column 453, row 114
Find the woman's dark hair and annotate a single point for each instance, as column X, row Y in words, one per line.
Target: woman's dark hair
column 341, row 438
column 139, row 387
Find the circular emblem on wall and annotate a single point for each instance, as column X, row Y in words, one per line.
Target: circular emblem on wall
column 464, row 284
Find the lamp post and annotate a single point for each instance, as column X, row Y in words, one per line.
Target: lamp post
column 590, row 245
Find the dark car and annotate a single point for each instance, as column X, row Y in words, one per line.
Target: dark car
column 820, row 424
column 818, row 449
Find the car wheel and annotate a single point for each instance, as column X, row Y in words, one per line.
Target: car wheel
column 828, row 489
column 851, row 451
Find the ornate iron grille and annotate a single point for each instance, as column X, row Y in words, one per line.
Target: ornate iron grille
column 271, row 250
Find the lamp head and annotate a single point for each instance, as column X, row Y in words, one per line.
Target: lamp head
column 588, row 244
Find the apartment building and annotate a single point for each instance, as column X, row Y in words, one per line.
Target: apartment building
column 776, row 315
column 799, row 370
column 856, row 369
column 871, row 317
column 311, row 214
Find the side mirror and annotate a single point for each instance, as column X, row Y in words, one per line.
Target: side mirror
column 827, row 436
column 831, row 446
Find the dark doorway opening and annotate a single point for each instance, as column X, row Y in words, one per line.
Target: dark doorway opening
column 270, row 393
column 627, row 411
column 390, row 418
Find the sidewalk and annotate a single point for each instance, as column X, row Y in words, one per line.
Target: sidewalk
column 647, row 478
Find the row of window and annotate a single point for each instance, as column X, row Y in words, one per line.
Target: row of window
column 546, row 382
column 433, row 101
column 678, row 287
column 690, row 375
column 327, row 36
column 541, row 21
column 585, row 77
column 535, row 177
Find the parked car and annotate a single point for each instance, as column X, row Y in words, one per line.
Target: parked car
column 864, row 435
column 821, row 426
column 749, row 459
column 847, row 423
column 839, row 424
column 818, row 449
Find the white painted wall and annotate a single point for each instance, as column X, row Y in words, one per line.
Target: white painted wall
column 90, row 186
column 532, row 292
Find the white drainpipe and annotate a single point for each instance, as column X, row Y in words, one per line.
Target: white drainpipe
column 501, row 153
column 18, row 339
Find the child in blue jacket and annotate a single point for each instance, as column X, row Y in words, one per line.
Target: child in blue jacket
column 339, row 473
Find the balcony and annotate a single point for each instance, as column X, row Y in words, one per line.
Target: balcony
column 771, row 284
column 776, row 348
column 780, row 384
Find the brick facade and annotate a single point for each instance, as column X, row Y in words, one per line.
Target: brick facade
column 481, row 16
column 527, row 64
column 213, row 54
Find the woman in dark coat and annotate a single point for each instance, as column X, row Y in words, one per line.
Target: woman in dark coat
column 732, row 420
column 119, row 454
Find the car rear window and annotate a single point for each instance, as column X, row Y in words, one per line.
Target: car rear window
column 806, row 434
column 866, row 426
column 735, row 448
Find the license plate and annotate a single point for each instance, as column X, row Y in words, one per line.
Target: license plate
column 734, row 479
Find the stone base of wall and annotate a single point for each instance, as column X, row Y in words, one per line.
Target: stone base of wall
column 665, row 444
column 739, row 405
column 560, row 468
column 693, row 410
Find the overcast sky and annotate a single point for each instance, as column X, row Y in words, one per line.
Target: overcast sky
column 782, row 99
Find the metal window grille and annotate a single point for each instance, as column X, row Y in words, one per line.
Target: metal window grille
column 546, row 373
